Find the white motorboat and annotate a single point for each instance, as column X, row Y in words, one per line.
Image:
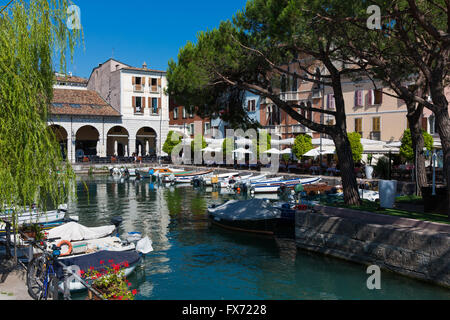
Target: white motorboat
column 274, row 186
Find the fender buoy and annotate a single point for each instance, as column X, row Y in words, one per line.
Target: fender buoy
column 67, row 243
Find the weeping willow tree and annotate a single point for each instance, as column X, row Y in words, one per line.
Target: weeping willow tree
column 32, row 171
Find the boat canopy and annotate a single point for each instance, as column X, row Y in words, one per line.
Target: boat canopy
column 248, row 210
column 76, row 232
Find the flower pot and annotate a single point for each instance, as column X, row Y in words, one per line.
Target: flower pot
column 369, row 172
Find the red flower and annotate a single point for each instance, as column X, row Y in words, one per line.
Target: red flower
column 126, row 264
column 91, row 268
column 111, row 261
column 81, row 272
column 134, row 292
column 129, row 284
column 120, row 298
column 102, row 262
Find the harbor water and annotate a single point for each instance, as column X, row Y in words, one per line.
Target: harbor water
column 193, row 260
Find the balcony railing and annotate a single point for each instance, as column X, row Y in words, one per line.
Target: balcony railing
column 289, row 96
column 155, row 89
column 138, row 88
column 375, row 135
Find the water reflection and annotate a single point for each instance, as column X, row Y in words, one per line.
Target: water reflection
column 194, row 260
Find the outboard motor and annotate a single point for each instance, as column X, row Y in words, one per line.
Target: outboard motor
column 284, row 191
column 117, row 221
column 198, row 182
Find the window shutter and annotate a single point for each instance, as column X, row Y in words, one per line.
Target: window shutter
column 159, row 82
column 333, row 104
column 133, row 103
column 356, row 98
column 133, row 80
column 143, row 104
column 159, row 105
column 425, row 124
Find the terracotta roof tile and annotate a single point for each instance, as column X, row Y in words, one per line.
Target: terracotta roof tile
column 71, row 79
column 80, row 102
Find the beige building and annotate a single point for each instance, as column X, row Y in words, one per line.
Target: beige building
column 371, row 112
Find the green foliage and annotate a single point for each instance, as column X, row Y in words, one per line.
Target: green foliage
column 31, row 168
column 356, row 145
column 198, row 143
column 228, row 146
column 406, row 149
column 173, row 139
column 263, row 143
column 302, row 144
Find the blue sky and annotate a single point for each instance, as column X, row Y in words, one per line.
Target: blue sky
column 143, row 30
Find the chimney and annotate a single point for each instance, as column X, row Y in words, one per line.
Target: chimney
column 144, row 65
column 117, row 67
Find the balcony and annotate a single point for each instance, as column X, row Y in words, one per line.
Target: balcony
column 138, row 88
column 375, row 135
column 155, row 89
column 317, row 94
column 289, row 96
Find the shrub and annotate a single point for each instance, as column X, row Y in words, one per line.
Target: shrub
column 173, row 139
column 356, row 145
column 406, row 149
column 302, row 144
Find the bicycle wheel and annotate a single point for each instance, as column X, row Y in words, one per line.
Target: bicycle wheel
column 36, row 274
column 53, row 287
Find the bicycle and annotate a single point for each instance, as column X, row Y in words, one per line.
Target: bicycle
column 42, row 280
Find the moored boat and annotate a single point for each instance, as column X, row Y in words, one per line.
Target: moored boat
column 257, row 216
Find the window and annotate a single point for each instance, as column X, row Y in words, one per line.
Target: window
column 251, row 105
column 191, row 112
column 75, row 105
column 358, row 98
column 331, row 102
column 374, row 97
column 376, row 129
column 378, row 96
column 137, row 83
column 155, row 105
column 207, row 126
column 154, row 83
column 358, row 125
column 184, row 113
column 432, row 122
column 376, row 124
column 175, row 113
column 57, row 105
column 191, row 129
column 138, row 107
column 310, row 113
column 294, row 82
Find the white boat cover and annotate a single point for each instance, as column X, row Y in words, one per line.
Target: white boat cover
column 249, row 210
column 144, row 245
column 76, row 232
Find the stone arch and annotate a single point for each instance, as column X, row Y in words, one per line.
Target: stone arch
column 86, row 141
column 146, row 141
column 118, row 142
column 62, row 138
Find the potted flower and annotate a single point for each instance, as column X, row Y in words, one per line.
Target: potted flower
column 110, row 281
column 32, row 231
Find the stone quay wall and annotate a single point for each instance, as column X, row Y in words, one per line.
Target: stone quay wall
column 409, row 247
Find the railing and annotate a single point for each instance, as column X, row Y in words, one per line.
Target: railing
column 375, row 135
column 155, row 89
column 289, row 96
column 138, row 88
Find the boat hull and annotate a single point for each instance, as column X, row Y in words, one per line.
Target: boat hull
column 269, row 227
